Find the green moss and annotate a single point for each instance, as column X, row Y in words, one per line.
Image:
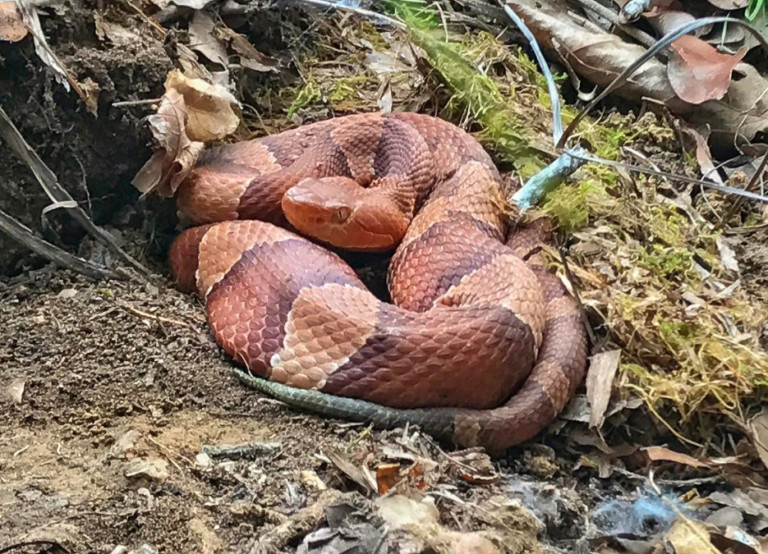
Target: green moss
column 345, row 88
column 308, row 94
column 670, row 262
column 571, row 206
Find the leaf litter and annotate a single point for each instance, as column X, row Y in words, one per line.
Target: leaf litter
column 651, row 269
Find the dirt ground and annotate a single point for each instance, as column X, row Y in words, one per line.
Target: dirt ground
column 114, row 389
column 114, row 397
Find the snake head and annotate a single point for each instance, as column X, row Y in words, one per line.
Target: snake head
column 338, row 211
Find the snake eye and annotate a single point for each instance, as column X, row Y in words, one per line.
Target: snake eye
column 340, row 215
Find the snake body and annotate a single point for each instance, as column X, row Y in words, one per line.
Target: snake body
column 481, row 345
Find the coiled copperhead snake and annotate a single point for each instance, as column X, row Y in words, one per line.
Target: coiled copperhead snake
column 481, row 345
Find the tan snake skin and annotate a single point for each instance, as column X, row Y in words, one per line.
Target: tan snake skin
column 481, row 345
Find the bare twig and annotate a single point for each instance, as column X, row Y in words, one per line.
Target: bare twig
column 159, row 319
column 127, row 103
column 249, row 451
column 298, row 525
column 58, row 195
column 23, row 235
column 41, row 542
column 640, row 36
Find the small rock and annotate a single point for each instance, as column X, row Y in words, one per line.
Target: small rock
column 152, row 468
column 125, row 443
column 203, row 460
column 144, row 549
column 312, row 481
column 399, row 511
column 206, row 539
column 15, row 390
column 120, row 549
column 67, row 293
column 472, row 543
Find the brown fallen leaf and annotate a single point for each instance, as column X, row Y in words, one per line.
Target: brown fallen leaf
column 703, row 155
column 599, row 57
column 690, row 537
column 177, row 155
column 12, row 27
column 735, row 541
column 698, row 72
column 758, row 426
column 387, row 475
column 250, row 57
column 662, row 454
column 202, row 39
column 209, row 107
column 350, row 469
column 602, row 371
column 729, row 4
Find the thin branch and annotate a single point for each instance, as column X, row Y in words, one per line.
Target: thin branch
column 23, row 235
column 58, row 195
column 640, row 36
column 360, row 11
column 554, row 95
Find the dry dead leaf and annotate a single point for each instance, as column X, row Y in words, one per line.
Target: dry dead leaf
column 12, row 27
column 90, row 95
column 250, row 58
column 209, row 107
column 742, row 112
column 602, row 371
column 729, row 4
column 703, row 155
column 112, row 32
column 194, row 4
column 168, row 167
column 734, row 119
column 690, row 537
column 698, row 72
column 350, row 469
column 386, row 476
column 727, row 254
column 662, row 454
column 202, row 39
column 758, row 426
column 599, row 57
column 734, row 540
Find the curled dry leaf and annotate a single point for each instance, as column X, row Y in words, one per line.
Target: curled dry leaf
column 250, row 58
column 740, row 115
column 602, row 371
column 598, row 57
column 661, row 454
column 12, row 27
column 202, row 39
column 729, row 4
column 168, row 167
column 690, row 537
column 192, row 112
column 759, row 429
column 209, row 107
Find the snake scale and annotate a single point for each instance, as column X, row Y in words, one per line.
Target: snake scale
column 481, row 344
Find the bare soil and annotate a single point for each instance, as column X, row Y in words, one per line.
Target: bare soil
column 111, row 392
